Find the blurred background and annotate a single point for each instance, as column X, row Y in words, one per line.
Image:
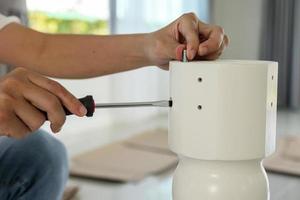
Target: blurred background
column 258, row 29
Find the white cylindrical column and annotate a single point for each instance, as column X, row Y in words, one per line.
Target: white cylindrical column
column 220, row 180
column 222, row 124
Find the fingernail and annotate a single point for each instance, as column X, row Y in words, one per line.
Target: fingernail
column 55, row 129
column 83, row 110
column 203, row 51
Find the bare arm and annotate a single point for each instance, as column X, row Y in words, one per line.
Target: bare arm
column 82, row 56
column 72, row 56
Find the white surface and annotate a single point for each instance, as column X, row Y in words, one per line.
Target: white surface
column 220, row 180
column 238, row 116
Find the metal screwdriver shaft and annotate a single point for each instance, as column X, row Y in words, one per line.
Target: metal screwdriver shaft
column 135, row 104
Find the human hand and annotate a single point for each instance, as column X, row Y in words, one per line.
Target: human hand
column 25, row 95
column 202, row 41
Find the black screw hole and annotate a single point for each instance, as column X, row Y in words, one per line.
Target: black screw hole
column 200, row 79
column 272, row 77
column 199, row 107
column 271, row 104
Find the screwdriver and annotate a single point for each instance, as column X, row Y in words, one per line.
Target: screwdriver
column 90, row 105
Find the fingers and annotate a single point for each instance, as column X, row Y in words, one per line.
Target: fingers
column 216, row 54
column 15, row 127
column 32, row 117
column 47, row 102
column 188, row 27
column 11, row 125
column 26, row 96
column 214, row 38
column 67, row 99
column 186, row 32
column 202, row 40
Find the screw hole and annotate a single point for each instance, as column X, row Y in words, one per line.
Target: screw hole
column 199, row 107
column 271, row 104
column 272, row 77
column 199, row 79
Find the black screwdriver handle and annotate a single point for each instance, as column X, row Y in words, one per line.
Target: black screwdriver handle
column 88, row 103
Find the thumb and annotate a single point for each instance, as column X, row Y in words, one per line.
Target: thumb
column 174, row 52
column 178, row 50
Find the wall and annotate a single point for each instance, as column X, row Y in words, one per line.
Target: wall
column 242, row 21
column 295, row 99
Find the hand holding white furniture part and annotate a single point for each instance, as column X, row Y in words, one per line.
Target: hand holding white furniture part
column 222, row 124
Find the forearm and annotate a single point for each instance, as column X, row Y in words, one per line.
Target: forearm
column 77, row 56
column 73, row 56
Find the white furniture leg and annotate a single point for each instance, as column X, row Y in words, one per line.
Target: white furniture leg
column 222, row 125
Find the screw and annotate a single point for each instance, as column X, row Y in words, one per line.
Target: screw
column 184, row 56
column 199, row 107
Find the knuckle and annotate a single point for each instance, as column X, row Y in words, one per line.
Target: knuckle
column 37, row 124
column 20, row 70
column 184, row 15
column 61, row 92
column 52, row 103
column 190, row 15
column 11, row 83
column 194, row 40
column 4, row 119
column 220, row 29
column 54, row 86
column 193, row 15
column 58, row 89
column 4, row 116
column 7, row 100
column 215, row 45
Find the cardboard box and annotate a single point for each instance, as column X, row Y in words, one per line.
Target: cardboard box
column 129, row 160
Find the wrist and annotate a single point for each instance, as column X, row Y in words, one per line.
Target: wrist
column 158, row 49
column 148, row 48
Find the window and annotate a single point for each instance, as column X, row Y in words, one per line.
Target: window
column 69, row 16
